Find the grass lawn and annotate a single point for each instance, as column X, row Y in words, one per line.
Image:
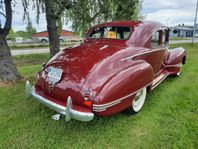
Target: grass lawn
column 32, row 59
column 169, row 118
column 180, row 38
column 37, row 45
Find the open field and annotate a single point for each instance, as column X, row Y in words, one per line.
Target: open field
column 169, row 118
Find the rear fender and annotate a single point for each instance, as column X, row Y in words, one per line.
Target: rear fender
column 120, row 90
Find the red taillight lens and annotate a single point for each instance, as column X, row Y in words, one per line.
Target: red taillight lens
column 88, row 103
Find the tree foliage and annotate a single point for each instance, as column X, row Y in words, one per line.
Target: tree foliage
column 86, row 13
column 126, row 10
column 11, row 35
column 30, row 30
column 83, row 14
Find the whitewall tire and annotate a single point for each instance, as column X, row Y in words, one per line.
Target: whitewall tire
column 137, row 102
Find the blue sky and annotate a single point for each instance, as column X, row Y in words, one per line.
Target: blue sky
column 168, row 12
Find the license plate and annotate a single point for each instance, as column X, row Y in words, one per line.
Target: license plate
column 54, row 74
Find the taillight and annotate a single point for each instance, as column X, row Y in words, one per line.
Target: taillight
column 88, row 103
column 88, row 95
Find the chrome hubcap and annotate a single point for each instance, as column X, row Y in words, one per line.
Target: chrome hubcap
column 139, row 100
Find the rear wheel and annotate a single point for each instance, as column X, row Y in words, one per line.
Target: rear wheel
column 61, row 40
column 137, row 102
column 43, row 41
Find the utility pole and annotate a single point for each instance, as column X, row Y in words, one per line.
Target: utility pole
column 195, row 23
column 167, row 22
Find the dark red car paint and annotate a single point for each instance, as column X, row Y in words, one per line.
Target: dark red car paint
column 109, row 68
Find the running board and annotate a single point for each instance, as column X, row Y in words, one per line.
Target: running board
column 159, row 79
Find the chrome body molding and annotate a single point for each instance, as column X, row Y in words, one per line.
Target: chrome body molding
column 103, row 107
column 67, row 111
column 157, row 83
column 133, row 56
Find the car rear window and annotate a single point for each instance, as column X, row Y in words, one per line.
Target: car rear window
column 111, row 32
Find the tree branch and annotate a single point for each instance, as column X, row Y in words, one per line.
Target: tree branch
column 62, row 4
column 1, row 13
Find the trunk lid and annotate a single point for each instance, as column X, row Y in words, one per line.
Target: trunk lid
column 76, row 62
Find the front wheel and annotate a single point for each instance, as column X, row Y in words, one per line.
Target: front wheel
column 180, row 69
column 137, row 102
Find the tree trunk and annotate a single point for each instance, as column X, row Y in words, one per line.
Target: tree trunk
column 52, row 28
column 8, row 70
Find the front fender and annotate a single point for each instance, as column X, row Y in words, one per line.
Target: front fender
column 174, row 60
column 122, row 87
column 176, row 56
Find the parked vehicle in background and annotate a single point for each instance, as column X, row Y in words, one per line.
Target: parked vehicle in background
column 64, row 36
column 111, row 71
column 46, row 39
column 27, row 41
column 19, row 40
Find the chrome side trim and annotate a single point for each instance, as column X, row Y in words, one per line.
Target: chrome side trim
column 67, row 111
column 133, row 56
column 103, row 107
column 158, row 72
column 155, row 85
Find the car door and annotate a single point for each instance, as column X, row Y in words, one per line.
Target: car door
column 154, row 54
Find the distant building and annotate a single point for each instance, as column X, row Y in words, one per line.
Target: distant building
column 183, row 31
column 65, row 35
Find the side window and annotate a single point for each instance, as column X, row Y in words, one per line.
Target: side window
column 156, row 40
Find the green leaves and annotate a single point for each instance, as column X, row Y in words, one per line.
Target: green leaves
column 87, row 13
column 126, row 11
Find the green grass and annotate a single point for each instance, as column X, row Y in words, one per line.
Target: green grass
column 169, row 118
column 32, row 59
column 37, row 45
column 180, row 38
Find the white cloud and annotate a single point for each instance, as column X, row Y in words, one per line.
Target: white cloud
column 170, row 12
column 172, row 17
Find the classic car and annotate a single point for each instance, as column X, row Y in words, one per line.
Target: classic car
column 111, row 71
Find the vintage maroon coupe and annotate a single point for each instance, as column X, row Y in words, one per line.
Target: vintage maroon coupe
column 111, row 71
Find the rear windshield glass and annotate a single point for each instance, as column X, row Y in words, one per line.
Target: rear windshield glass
column 111, row 32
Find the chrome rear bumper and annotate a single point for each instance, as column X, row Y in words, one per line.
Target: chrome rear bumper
column 67, row 111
